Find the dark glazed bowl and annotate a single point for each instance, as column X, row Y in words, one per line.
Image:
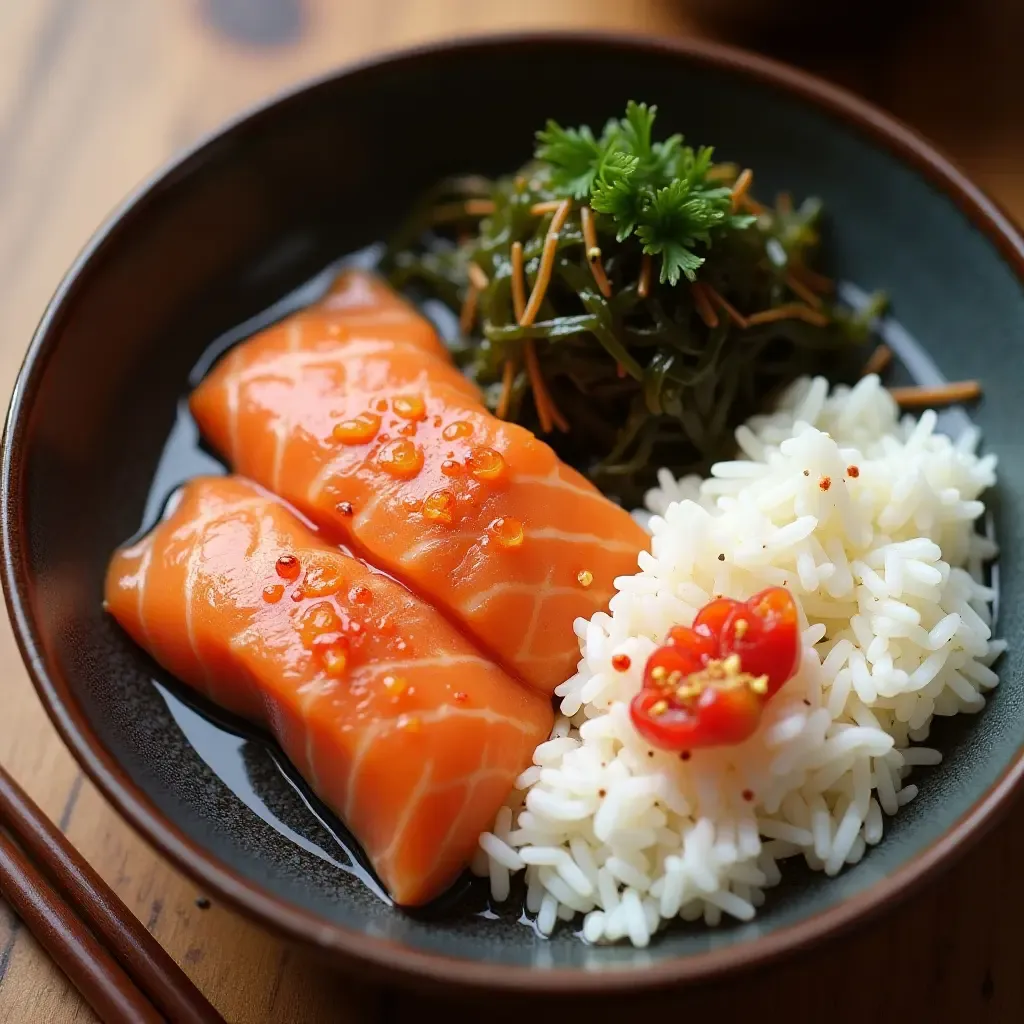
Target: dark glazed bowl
column 261, row 207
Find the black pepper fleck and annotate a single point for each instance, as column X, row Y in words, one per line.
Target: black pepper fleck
column 202, row 903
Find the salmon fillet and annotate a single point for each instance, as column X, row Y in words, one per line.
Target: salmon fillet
column 367, row 428
column 394, row 719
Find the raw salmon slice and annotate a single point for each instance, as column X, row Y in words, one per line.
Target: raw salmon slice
column 393, row 718
column 390, row 450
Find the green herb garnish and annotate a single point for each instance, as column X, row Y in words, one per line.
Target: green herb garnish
column 658, row 190
column 622, row 370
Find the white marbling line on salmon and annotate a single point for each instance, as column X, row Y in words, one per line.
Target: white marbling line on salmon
column 283, row 424
column 366, row 741
column 555, row 481
column 287, row 365
column 413, row 801
column 543, row 591
column 441, row 661
column 538, row 603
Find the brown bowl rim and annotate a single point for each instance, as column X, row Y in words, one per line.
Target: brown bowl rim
column 384, row 956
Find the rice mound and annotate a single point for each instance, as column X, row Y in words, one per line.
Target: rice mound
column 869, row 520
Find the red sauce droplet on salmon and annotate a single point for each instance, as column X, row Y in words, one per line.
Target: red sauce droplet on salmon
column 507, row 531
column 344, row 508
column 401, row 459
column 621, row 662
column 460, row 428
column 438, row 506
column 451, row 468
column 409, row 407
column 360, row 594
column 288, row 567
column 486, row 464
column 273, row 592
column 360, row 430
column 382, row 405
column 459, row 697
column 408, row 430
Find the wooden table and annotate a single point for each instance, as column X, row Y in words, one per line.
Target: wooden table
column 94, row 94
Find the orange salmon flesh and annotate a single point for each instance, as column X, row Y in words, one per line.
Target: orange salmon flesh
column 353, row 412
column 393, row 717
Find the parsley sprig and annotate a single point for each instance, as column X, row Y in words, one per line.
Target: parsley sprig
column 657, row 191
column 642, row 374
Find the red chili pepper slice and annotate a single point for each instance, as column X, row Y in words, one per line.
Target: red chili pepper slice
column 708, row 684
column 700, row 645
column 764, row 632
column 716, row 718
column 712, row 617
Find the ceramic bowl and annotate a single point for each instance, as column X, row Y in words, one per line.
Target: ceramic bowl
column 97, row 435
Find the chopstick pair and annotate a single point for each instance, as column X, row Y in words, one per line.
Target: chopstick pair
column 121, row 971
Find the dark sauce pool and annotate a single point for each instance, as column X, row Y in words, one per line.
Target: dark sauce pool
column 246, row 760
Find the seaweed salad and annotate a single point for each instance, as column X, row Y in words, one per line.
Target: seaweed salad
column 627, row 299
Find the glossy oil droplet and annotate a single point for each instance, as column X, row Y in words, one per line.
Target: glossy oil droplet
column 584, row 577
column 460, row 428
column 438, row 506
column 507, row 531
column 409, row 407
column 360, row 594
column 451, row 468
column 273, row 592
column 486, row 464
column 401, row 459
column 360, row 430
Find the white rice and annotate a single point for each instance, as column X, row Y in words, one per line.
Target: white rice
column 896, row 630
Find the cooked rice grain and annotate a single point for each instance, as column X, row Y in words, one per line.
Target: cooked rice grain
column 884, row 563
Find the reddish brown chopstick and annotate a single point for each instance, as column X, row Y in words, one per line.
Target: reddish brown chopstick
column 150, row 967
column 90, row 968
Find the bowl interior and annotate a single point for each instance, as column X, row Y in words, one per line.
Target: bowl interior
column 251, row 216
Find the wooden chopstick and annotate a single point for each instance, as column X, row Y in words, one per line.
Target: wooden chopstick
column 148, row 964
column 89, row 967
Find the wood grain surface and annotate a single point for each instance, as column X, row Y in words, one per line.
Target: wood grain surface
column 94, row 95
